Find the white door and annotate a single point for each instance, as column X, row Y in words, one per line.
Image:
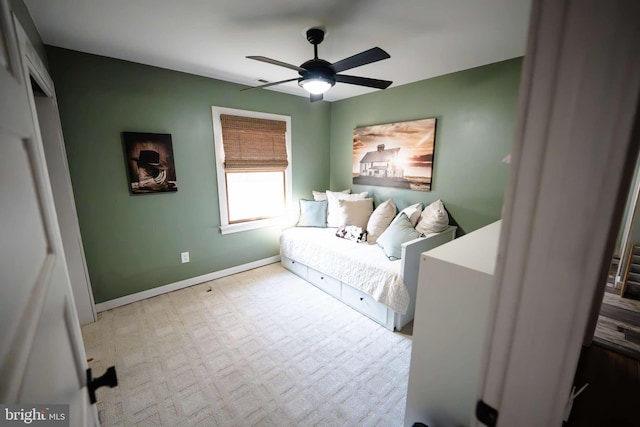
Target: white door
column 42, row 359
column 572, row 165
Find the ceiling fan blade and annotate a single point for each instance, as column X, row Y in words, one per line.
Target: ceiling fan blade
column 270, row 84
column 314, row 98
column 276, row 62
column 363, row 81
column 368, row 56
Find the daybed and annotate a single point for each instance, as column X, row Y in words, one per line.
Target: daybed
column 360, row 274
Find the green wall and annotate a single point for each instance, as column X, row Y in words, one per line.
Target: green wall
column 133, row 242
column 476, row 112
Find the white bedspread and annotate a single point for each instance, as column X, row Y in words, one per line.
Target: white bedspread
column 360, row 265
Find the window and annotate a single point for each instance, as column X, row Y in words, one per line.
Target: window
column 253, row 167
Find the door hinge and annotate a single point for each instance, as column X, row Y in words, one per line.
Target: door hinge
column 108, row 378
column 486, row 414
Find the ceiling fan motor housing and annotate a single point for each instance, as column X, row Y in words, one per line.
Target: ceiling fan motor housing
column 318, row 68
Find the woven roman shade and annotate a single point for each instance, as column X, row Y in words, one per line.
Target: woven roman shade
column 251, row 143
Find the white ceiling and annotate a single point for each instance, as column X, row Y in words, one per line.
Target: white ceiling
column 425, row 38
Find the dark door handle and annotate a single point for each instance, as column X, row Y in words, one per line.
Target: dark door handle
column 108, row 378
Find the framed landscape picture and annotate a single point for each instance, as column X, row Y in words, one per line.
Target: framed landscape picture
column 395, row 154
column 150, row 162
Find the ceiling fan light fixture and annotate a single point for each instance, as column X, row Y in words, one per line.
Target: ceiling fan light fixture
column 316, row 85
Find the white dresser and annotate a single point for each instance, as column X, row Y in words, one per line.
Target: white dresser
column 452, row 304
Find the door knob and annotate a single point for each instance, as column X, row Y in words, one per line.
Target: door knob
column 108, row 378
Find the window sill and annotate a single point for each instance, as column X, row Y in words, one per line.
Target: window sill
column 288, row 219
column 252, row 225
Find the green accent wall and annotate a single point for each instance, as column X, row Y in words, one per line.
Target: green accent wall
column 133, row 242
column 476, row 112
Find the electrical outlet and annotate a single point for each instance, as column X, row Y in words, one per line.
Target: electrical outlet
column 184, row 256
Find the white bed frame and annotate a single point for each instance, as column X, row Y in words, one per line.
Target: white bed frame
column 363, row 302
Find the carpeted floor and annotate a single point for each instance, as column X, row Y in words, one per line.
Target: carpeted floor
column 261, row 348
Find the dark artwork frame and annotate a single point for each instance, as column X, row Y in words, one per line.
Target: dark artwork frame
column 150, row 162
column 396, row 154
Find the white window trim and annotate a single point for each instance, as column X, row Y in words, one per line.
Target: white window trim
column 225, row 227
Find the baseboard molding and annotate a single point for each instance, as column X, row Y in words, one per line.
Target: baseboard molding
column 139, row 296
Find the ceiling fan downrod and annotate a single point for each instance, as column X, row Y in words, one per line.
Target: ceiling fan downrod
column 315, row 36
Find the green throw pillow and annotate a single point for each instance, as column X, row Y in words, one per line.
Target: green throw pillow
column 399, row 232
column 313, row 213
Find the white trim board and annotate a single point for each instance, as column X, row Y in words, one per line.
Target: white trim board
column 225, row 227
column 139, row 296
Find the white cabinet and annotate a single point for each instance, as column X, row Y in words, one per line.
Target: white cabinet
column 452, row 305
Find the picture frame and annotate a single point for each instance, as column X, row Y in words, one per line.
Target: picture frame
column 150, row 162
column 399, row 154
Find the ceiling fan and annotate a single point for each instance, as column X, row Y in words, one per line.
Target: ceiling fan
column 317, row 75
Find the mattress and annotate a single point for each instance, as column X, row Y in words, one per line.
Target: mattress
column 360, row 265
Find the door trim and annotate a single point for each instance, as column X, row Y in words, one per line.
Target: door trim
column 33, row 67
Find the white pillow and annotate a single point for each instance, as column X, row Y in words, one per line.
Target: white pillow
column 322, row 195
column 333, row 211
column 380, row 220
column 413, row 213
column 434, row 219
column 355, row 212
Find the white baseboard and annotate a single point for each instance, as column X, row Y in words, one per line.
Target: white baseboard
column 139, row 296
